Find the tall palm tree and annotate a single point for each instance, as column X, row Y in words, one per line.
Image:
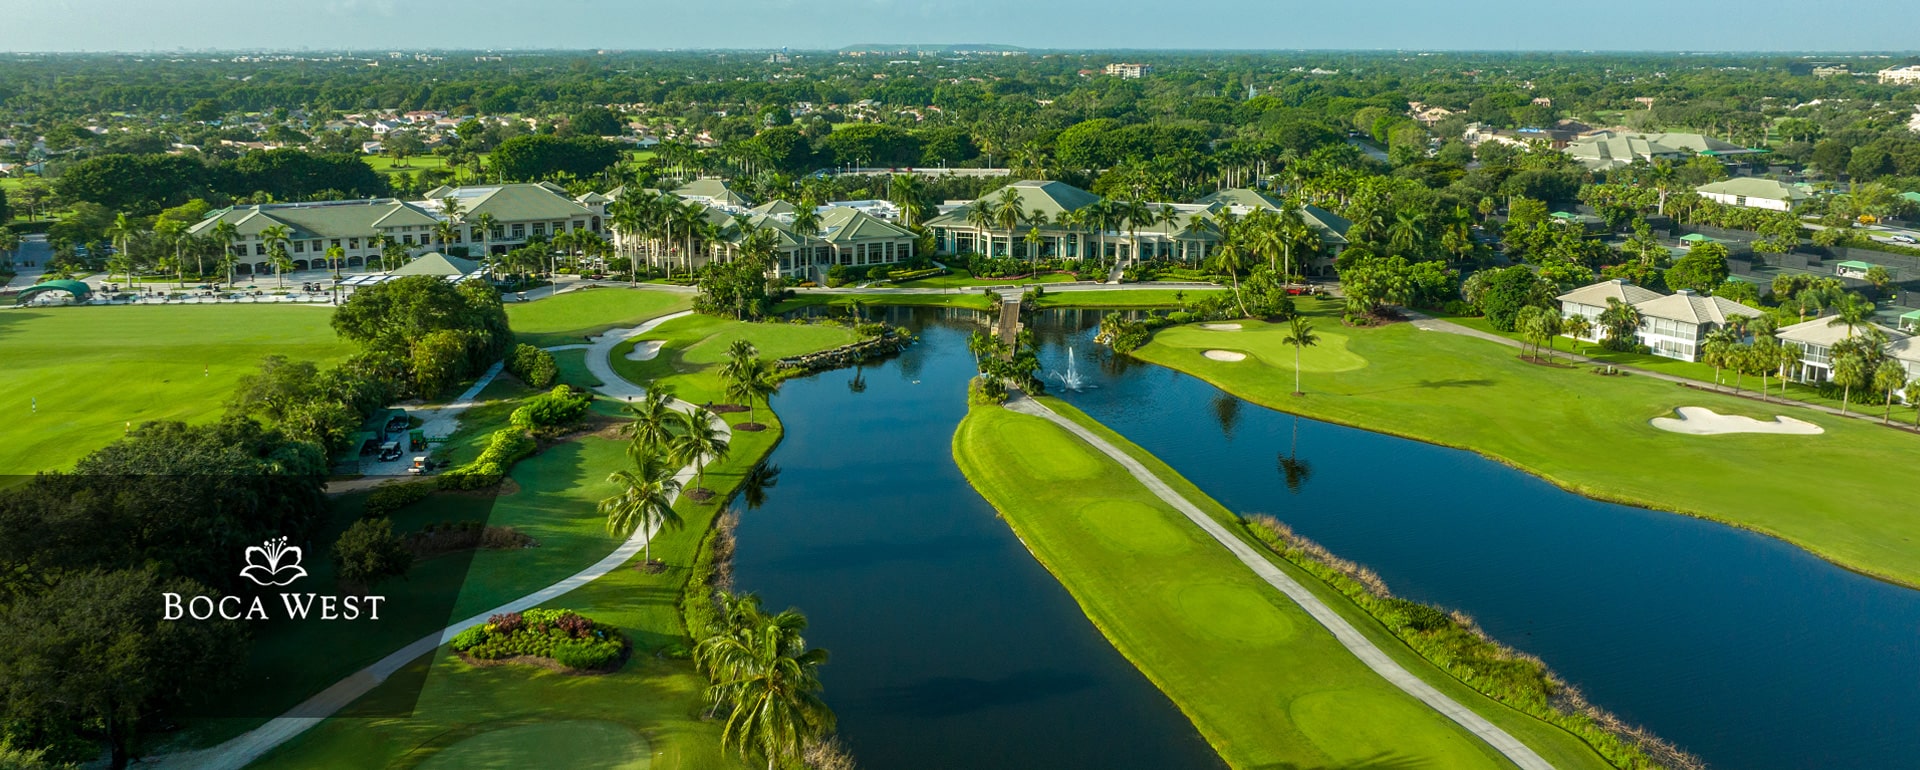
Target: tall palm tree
column 767, row 680
column 699, row 441
column 1136, row 214
column 1299, row 335
column 1718, row 348
column 653, row 421
column 982, row 214
column 483, row 224
column 643, row 500
column 226, row 233
column 276, row 238
column 1620, row 320
column 1851, row 311
column 336, row 256
column 1231, row 255
column 1887, row 378
column 1850, row 368
column 906, row 191
column 1008, row 214
column 749, row 381
column 122, row 231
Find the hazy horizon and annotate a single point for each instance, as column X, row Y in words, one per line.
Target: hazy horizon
column 1625, row 26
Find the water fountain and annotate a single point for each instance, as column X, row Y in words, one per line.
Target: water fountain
column 1071, row 380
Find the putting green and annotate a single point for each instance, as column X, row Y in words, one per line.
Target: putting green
column 1134, row 527
column 1262, row 341
column 570, row 744
column 569, row 318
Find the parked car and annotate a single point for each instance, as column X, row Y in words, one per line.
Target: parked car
column 1906, row 239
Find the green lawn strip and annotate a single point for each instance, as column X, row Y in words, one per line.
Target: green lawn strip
column 972, row 300
column 1123, row 298
column 961, row 278
column 163, row 363
column 1264, row 683
column 1556, row 745
column 696, row 345
column 1701, row 372
column 1585, row 432
column 567, row 319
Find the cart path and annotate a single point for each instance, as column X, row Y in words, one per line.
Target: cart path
column 1348, row 636
column 242, row 750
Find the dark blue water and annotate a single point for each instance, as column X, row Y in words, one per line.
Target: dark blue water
column 952, row 647
column 1740, row 648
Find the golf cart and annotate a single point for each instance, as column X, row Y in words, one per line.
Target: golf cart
column 390, row 451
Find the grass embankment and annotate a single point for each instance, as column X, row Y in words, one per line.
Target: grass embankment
column 1265, row 683
column 514, row 713
column 961, row 278
column 93, row 370
column 1704, row 374
column 1833, row 494
column 1123, row 298
column 971, row 300
column 567, row 319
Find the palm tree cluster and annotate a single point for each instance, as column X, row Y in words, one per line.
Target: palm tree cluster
column 765, row 681
column 166, row 247
column 663, row 229
column 749, row 379
column 660, row 440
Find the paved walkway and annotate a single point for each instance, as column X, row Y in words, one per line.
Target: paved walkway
column 1362, row 647
column 600, row 353
column 240, row 751
column 1429, row 323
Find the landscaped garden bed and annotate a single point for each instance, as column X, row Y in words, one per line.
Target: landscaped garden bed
column 561, row 640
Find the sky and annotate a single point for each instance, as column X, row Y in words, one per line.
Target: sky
column 1612, row 25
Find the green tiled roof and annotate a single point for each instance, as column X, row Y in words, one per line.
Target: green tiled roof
column 515, row 202
column 436, row 263
column 839, row 224
column 331, row 219
column 1755, row 187
column 713, row 189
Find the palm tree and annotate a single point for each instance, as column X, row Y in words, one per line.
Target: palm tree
column 1008, row 214
column 750, row 381
column 276, row 238
column 1888, row 378
column 643, row 500
column 1231, row 255
column 337, row 256
column 767, row 680
column 226, row 233
column 483, row 225
column 697, row 442
column 1850, row 368
column 1136, row 214
column 1299, row 335
column 981, row 214
column 1621, row 320
column 1408, row 233
column 1851, row 311
column 905, row 191
column 1577, row 327
column 1716, row 351
column 122, row 231
column 653, row 420
column 9, row 243
column 1912, row 394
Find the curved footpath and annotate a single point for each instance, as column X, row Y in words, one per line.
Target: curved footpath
column 239, row 751
column 1349, row 637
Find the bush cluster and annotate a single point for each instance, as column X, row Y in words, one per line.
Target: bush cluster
column 563, row 636
column 533, row 366
column 506, row 447
column 1455, row 643
column 388, row 498
column 559, row 408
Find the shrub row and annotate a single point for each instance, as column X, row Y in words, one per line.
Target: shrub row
column 389, row 498
column 887, row 341
column 1457, row 645
column 563, row 636
column 708, row 575
column 506, row 447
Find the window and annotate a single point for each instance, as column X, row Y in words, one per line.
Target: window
column 299, row 247
column 259, row 249
column 519, row 231
column 579, row 225
column 407, row 239
column 889, row 251
column 316, row 245
column 353, row 243
column 335, row 243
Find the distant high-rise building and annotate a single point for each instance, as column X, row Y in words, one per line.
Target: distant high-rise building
column 1903, row 75
column 1126, row 70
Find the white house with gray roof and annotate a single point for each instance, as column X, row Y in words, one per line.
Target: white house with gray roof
column 1754, row 193
column 1814, row 340
column 1671, row 325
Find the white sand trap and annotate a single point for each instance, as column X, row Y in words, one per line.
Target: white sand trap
column 1221, row 327
column 646, row 350
column 1225, row 355
column 1701, row 421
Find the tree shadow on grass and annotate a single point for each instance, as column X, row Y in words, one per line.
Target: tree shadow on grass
column 1481, row 382
column 948, row 696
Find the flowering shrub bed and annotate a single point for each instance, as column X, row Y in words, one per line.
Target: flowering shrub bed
column 567, row 638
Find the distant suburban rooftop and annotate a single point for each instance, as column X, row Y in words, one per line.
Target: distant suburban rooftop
column 1755, row 187
column 1597, row 294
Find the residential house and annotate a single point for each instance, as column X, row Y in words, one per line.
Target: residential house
column 1591, row 300
column 1677, row 325
column 1754, row 193
column 1814, row 340
column 1907, row 353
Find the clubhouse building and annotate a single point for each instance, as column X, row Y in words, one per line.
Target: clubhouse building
column 360, row 228
column 1060, row 221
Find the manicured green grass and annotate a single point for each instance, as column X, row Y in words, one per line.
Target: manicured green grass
column 566, row 319
column 93, row 370
column 1124, row 298
column 960, row 277
column 1840, row 494
column 695, row 345
column 414, row 163
column 1265, row 683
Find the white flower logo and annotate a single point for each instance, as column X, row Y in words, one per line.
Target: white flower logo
column 273, row 563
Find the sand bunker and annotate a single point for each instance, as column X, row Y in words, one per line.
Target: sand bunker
column 1221, row 327
column 1701, row 421
column 1225, row 355
column 645, row 351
